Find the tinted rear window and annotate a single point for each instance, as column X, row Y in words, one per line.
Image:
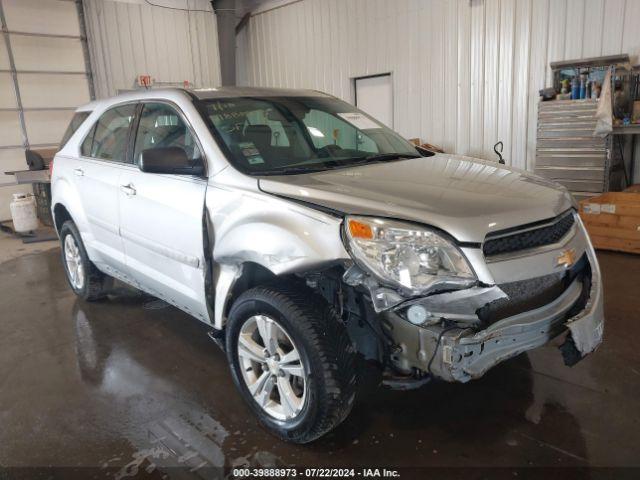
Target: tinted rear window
column 74, row 124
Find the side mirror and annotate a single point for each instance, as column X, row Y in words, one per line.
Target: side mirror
column 169, row 160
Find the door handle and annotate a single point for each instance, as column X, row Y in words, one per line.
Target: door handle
column 129, row 190
column 79, row 172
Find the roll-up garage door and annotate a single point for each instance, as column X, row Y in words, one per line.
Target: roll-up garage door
column 44, row 76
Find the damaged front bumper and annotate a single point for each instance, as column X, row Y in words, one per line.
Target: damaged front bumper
column 454, row 351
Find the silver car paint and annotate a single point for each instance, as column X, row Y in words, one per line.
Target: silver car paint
column 251, row 220
column 250, row 226
column 464, row 197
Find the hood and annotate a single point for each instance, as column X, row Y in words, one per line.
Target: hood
column 465, row 197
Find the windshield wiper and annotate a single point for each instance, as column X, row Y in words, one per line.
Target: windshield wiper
column 382, row 157
column 288, row 171
column 334, row 164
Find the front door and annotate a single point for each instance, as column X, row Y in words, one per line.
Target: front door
column 161, row 216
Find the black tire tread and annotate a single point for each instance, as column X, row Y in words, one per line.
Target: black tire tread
column 333, row 349
column 97, row 284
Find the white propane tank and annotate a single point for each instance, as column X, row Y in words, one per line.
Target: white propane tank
column 23, row 212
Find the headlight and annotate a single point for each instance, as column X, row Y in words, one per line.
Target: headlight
column 415, row 259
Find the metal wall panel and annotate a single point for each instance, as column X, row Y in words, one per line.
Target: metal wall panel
column 505, row 76
column 9, row 131
column 43, row 79
column 593, row 24
column 537, row 67
column 59, row 54
column 466, row 73
column 611, row 28
column 522, row 40
column 464, row 77
column 47, row 126
column 7, row 97
column 4, row 57
column 574, row 29
column 69, row 91
column 556, row 35
column 131, row 38
column 55, row 17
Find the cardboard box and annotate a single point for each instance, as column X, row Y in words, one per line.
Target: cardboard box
column 613, row 221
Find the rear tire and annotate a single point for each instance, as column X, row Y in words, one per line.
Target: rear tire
column 325, row 373
column 83, row 276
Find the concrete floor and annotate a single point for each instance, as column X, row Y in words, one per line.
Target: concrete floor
column 13, row 247
column 121, row 385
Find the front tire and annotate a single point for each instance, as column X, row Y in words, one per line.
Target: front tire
column 84, row 278
column 292, row 360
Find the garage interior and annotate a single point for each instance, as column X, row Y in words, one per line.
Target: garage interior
column 135, row 387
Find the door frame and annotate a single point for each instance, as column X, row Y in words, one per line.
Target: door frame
column 131, row 145
column 354, row 91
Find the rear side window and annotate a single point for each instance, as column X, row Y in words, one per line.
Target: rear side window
column 74, row 124
column 107, row 139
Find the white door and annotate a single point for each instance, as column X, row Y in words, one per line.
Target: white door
column 97, row 176
column 374, row 95
column 161, row 216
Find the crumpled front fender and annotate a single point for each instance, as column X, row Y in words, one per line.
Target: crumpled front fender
column 587, row 327
column 282, row 236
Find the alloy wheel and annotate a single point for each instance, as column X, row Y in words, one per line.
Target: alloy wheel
column 73, row 259
column 272, row 367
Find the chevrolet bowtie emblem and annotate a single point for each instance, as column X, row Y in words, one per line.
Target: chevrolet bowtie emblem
column 566, row 258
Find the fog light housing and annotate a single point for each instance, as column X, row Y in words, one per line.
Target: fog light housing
column 417, row 314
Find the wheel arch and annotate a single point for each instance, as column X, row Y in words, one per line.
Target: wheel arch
column 235, row 279
column 60, row 215
column 67, row 205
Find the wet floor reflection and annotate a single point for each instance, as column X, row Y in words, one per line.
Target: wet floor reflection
column 133, row 389
column 182, row 434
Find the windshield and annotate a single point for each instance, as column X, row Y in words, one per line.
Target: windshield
column 290, row 135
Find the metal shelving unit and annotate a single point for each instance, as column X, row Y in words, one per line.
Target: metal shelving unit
column 569, row 153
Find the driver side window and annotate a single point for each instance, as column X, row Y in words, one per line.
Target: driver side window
column 161, row 126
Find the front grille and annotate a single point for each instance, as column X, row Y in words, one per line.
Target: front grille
column 526, row 295
column 531, row 238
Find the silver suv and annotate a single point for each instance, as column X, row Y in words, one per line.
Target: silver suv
column 317, row 243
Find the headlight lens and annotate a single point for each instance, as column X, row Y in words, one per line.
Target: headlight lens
column 416, row 259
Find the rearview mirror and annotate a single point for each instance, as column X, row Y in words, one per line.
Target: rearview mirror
column 169, row 160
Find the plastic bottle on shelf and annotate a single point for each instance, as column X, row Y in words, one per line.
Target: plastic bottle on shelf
column 575, row 89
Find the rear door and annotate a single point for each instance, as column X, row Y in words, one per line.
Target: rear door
column 103, row 158
column 161, row 216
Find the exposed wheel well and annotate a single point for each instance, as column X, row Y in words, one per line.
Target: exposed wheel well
column 252, row 275
column 60, row 215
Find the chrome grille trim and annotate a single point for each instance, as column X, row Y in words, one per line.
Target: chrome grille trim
column 567, row 228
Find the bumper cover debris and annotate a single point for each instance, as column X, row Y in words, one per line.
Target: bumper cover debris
column 462, row 354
